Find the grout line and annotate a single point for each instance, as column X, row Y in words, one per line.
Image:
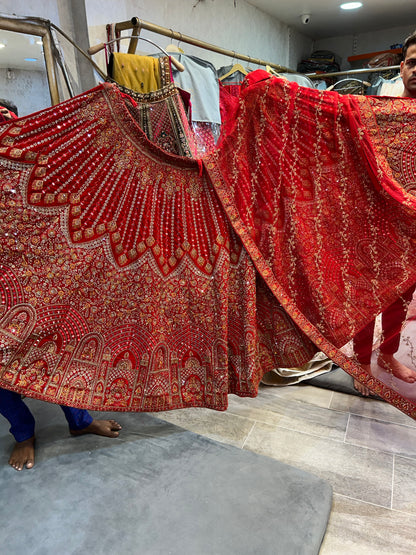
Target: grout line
column 373, row 504
column 248, row 435
column 277, row 427
column 335, row 440
column 407, row 457
column 331, row 399
column 362, row 501
column 296, row 431
column 346, row 429
column 343, row 441
column 383, row 418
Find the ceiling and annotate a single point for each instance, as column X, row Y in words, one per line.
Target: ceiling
column 328, row 20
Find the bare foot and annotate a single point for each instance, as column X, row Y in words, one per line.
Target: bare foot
column 359, row 386
column 23, row 454
column 388, row 362
column 108, row 428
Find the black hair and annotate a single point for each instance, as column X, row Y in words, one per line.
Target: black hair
column 9, row 105
column 410, row 41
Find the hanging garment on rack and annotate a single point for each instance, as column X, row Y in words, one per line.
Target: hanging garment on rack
column 229, row 95
column 391, row 87
column 381, row 86
column 234, row 73
column 163, row 114
column 200, row 80
column 142, row 74
column 298, row 78
column 302, row 80
column 133, row 281
column 112, row 34
column 231, row 77
column 228, row 101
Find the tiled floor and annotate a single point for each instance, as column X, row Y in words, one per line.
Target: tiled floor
column 365, row 448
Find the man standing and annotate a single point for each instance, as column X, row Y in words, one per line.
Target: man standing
column 394, row 316
column 408, row 66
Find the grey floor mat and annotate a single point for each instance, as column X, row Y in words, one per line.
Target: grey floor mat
column 337, row 380
column 157, row 489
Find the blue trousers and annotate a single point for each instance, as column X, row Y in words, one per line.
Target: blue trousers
column 15, row 410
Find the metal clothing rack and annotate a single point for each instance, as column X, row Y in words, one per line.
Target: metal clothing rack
column 136, row 24
column 350, row 72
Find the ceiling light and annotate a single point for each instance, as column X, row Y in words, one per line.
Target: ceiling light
column 351, row 5
column 31, row 59
column 2, row 45
column 39, row 41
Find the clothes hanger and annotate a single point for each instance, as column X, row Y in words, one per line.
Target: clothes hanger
column 236, row 67
column 273, row 71
column 364, row 83
column 98, row 47
column 173, row 48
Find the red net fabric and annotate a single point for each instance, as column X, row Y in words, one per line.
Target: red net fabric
column 318, row 186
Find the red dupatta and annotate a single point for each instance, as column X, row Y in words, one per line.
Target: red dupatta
column 318, row 187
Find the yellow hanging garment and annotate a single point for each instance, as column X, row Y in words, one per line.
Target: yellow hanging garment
column 139, row 73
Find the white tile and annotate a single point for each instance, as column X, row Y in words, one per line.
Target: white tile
column 306, row 393
column 371, row 408
column 404, row 485
column 357, row 528
column 292, row 414
column 380, row 435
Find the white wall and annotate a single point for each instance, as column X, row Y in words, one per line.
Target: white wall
column 28, row 90
column 241, row 28
column 48, row 9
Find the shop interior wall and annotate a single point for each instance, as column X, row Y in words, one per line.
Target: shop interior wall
column 48, row 9
column 63, row 13
column 28, row 90
column 233, row 25
column 351, row 45
column 236, row 26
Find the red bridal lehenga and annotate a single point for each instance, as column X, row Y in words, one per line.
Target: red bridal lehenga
column 137, row 280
